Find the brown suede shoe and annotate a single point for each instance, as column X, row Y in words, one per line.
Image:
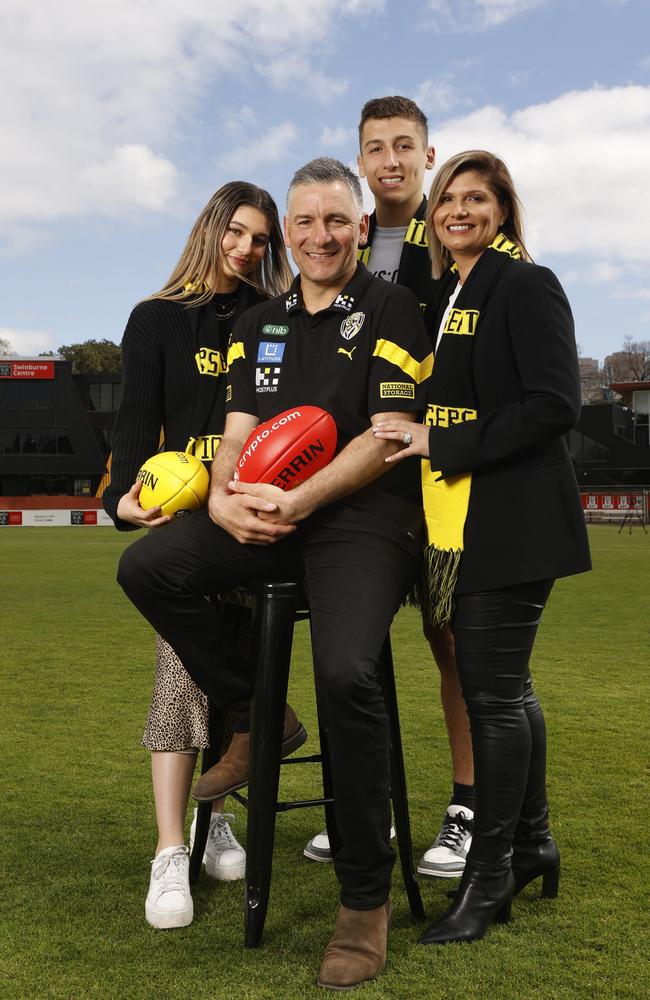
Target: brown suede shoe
column 231, row 772
column 357, row 949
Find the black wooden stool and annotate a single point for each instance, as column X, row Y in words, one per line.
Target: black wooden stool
column 275, row 607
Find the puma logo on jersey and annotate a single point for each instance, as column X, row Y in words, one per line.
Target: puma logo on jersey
column 349, row 353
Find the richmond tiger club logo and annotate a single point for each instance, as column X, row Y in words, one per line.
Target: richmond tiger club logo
column 351, row 325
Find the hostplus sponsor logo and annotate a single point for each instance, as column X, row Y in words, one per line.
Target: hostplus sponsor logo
column 267, row 379
column 343, row 301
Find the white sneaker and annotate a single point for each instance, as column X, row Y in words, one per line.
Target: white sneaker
column 224, row 857
column 169, row 902
column 318, row 848
column 446, row 856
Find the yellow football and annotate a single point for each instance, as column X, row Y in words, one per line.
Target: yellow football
column 175, row 482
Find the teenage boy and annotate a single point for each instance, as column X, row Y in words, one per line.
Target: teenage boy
column 394, row 155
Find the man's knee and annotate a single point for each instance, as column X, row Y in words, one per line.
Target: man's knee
column 134, row 569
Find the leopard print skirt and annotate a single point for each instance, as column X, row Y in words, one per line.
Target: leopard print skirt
column 178, row 716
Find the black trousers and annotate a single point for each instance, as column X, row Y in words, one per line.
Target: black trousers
column 355, row 582
column 494, row 632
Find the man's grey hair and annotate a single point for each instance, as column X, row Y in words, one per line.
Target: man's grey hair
column 325, row 170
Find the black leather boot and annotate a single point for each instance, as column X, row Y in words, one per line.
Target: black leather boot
column 534, row 852
column 534, row 858
column 482, row 898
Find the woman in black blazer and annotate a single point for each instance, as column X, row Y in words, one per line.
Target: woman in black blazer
column 503, row 512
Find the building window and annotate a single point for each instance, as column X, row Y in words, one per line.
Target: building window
column 82, row 488
column 9, row 442
column 105, row 396
column 35, row 441
column 48, row 486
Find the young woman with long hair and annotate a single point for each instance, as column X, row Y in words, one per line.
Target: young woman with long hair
column 174, row 354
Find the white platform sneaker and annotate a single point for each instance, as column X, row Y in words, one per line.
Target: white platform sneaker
column 224, row 857
column 169, row 901
column 447, row 855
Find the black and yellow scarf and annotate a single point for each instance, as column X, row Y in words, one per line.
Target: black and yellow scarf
column 452, row 400
column 415, row 264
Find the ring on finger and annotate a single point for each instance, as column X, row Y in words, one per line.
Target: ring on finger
column 408, row 438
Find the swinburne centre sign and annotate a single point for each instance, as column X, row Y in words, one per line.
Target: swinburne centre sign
column 26, row 369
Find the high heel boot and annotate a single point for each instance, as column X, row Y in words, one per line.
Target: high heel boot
column 534, row 852
column 482, row 898
column 534, row 858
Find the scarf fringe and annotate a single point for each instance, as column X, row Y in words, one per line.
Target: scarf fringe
column 435, row 593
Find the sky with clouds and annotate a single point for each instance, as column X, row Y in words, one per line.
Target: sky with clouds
column 119, row 118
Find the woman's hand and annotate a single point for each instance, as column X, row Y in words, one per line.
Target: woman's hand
column 128, row 509
column 417, row 436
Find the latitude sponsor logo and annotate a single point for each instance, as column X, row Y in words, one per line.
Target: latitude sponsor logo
column 270, row 351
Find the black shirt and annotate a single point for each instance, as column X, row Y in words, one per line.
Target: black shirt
column 367, row 353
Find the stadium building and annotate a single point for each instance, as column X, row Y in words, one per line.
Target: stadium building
column 55, row 428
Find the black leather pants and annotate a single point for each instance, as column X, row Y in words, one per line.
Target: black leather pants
column 494, row 632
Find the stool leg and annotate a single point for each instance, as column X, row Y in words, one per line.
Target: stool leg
column 398, row 783
column 209, row 757
column 274, row 622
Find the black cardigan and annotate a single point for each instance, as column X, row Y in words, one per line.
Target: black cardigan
column 162, row 387
column 525, row 521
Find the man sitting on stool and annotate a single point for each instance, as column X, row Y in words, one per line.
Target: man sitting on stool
column 355, row 346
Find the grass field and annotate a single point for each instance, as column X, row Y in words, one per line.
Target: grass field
column 77, row 826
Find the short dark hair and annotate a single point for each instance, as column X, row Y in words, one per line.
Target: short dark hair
column 394, row 107
column 325, row 170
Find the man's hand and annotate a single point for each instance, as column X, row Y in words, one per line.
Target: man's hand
column 284, row 507
column 128, row 509
column 237, row 513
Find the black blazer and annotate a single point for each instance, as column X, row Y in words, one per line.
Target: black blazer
column 525, row 520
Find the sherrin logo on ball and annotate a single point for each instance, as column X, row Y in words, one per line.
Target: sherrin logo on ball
column 174, row 481
column 289, row 448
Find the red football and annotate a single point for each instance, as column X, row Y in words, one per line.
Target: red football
column 289, row 448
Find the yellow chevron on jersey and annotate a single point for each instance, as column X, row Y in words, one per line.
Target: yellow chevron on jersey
column 396, row 355
column 363, row 255
column 235, row 351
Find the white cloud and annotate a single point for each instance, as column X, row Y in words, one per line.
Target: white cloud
column 495, row 12
column 334, row 137
column 271, row 146
column 94, row 95
column 633, row 293
column 285, row 74
column 470, row 15
column 596, row 273
column 439, row 96
column 26, row 342
column 149, row 181
column 581, row 165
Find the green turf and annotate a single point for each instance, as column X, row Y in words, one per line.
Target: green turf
column 77, row 826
